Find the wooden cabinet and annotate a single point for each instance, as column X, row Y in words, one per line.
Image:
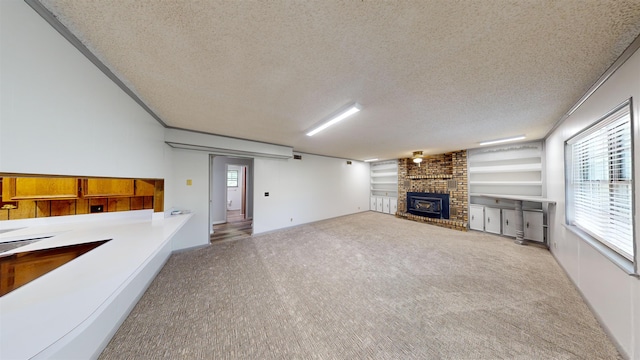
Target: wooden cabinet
column 533, row 225
column 373, row 202
column 32, row 188
column 145, row 187
column 379, row 204
column 492, row 220
column 107, row 187
column 476, row 217
column 19, row 268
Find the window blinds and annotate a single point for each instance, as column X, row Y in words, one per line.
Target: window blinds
column 601, row 181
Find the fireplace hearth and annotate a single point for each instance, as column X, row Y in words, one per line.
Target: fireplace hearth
column 432, row 205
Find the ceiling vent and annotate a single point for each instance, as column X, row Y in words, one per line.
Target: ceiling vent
column 297, row 157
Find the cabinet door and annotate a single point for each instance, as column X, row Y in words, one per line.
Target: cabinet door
column 385, row 205
column 379, row 204
column 394, row 205
column 476, row 217
column 145, row 187
column 492, row 220
column 107, row 187
column 533, row 226
column 39, row 188
column 509, row 222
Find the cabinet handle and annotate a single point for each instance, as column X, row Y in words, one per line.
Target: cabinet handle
column 506, row 222
column 527, row 225
column 488, row 220
column 472, row 217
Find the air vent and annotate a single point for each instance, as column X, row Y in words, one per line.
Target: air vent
column 451, row 184
column 297, row 157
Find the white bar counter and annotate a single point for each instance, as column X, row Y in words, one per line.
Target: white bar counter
column 73, row 311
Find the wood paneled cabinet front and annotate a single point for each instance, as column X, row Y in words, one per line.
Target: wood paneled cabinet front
column 37, row 188
column 145, row 187
column 107, row 187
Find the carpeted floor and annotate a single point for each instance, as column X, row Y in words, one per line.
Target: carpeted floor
column 364, row 286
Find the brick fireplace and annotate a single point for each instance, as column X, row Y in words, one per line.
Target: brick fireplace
column 437, row 174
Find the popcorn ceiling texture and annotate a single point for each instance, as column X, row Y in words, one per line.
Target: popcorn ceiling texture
column 440, row 75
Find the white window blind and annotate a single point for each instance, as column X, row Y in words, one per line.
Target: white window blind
column 601, row 197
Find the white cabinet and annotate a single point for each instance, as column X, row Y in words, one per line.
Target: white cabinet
column 379, row 204
column 393, row 203
column 533, row 226
column 492, row 220
column 385, row 205
column 509, row 222
column 476, row 217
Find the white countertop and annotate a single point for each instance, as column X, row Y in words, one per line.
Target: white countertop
column 539, row 199
column 39, row 313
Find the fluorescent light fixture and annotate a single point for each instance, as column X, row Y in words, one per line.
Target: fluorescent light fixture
column 370, row 160
column 341, row 115
column 491, row 142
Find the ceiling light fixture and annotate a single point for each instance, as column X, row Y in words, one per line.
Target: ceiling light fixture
column 339, row 116
column 370, row 160
column 491, row 142
column 417, row 157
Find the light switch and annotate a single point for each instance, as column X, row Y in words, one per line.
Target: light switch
column 189, row 182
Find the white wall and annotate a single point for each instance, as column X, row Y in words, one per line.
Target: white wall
column 307, row 190
column 194, row 166
column 218, row 188
column 59, row 114
column 613, row 295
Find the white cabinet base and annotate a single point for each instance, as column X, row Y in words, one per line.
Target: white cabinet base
column 476, row 217
column 492, row 220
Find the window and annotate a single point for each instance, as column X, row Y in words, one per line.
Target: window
column 600, row 189
column 232, row 178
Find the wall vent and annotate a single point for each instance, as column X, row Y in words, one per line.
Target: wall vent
column 451, row 184
column 297, row 157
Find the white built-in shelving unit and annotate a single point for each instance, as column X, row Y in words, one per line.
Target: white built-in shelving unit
column 498, row 177
column 384, row 186
column 506, row 170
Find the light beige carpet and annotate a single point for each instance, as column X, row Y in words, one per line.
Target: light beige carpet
column 364, row 286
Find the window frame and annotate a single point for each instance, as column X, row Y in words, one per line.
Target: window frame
column 230, row 178
column 618, row 257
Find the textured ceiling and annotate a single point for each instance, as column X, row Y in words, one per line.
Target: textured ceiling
column 430, row 75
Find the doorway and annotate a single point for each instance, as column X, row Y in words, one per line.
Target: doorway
column 236, row 193
column 231, row 198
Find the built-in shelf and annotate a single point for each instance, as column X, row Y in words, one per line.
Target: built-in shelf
column 506, row 183
column 506, row 168
column 385, row 174
column 384, row 186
